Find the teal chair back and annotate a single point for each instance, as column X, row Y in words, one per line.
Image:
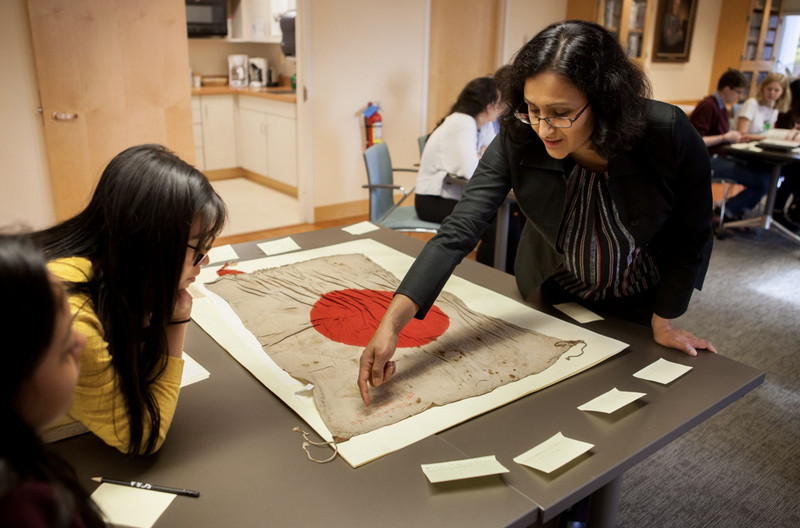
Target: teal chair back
column 422, row 140
column 379, row 172
column 382, row 208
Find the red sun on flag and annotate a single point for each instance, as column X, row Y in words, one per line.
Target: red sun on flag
column 350, row 317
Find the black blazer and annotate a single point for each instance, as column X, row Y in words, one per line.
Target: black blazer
column 661, row 188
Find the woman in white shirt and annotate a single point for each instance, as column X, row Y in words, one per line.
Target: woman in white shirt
column 758, row 114
column 454, row 147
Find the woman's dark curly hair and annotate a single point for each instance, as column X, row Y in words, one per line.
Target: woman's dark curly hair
column 591, row 58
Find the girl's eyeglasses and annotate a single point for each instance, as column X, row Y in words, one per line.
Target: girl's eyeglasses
column 198, row 255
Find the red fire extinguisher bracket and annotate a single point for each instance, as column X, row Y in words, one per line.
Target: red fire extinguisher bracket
column 373, row 124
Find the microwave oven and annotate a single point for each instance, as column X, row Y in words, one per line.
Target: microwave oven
column 207, row 18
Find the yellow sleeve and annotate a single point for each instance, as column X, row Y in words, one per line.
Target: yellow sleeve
column 99, row 404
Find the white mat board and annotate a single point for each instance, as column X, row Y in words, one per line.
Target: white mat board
column 217, row 318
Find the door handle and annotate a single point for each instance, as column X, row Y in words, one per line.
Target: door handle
column 60, row 116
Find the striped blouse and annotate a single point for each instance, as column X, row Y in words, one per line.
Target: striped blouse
column 601, row 259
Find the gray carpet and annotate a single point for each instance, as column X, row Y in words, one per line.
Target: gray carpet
column 740, row 468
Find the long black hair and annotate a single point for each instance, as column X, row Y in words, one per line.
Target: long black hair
column 28, row 314
column 474, row 97
column 590, row 57
column 134, row 232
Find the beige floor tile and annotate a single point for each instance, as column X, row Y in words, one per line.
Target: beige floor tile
column 254, row 207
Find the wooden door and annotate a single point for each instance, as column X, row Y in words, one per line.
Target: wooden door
column 112, row 74
column 463, row 45
column 731, row 36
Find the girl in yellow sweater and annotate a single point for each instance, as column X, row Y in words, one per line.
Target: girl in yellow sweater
column 127, row 260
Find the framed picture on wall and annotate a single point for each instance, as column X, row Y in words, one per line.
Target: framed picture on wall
column 672, row 40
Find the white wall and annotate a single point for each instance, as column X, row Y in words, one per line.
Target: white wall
column 25, row 196
column 362, row 51
column 688, row 80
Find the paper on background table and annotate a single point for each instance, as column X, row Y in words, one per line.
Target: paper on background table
column 578, row 312
column 553, row 453
column 192, row 371
column 360, row 228
column 276, row 247
column 463, row 469
column 134, row 507
column 222, row 254
column 611, row 401
column 219, row 320
column 662, row 371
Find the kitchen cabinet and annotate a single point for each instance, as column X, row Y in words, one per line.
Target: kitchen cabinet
column 628, row 20
column 268, row 131
column 257, row 20
column 216, row 138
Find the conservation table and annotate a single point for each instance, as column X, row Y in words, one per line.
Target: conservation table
column 233, row 440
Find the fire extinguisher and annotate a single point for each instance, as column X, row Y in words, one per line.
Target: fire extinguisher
column 373, row 124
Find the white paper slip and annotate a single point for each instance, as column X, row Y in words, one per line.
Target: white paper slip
column 553, row 453
column 578, row 312
column 134, row 507
column 740, row 146
column 360, row 228
column 662, row 371
column 463, row 469
column 192, row 371
column 276, row 247
column 611, row 401
column 222, row 254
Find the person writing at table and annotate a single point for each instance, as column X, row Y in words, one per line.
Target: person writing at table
column 454, row 147
column 38, row 384
column 758, row 114
column 127, row 260
column 615, row 187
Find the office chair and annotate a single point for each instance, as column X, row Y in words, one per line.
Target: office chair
column 421, row 141
column 721, row 233
column 383, row 210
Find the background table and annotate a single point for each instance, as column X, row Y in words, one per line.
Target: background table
column 232, row 439
column 778, row 159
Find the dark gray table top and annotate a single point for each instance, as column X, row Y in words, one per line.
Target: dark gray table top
column 779, row 157
column 232, row 439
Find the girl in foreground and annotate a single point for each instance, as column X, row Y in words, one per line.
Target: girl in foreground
column 38, row 383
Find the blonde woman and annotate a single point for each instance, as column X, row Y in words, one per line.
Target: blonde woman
column 758, row 114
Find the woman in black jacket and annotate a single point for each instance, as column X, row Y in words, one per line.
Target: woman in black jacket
column 615, row 189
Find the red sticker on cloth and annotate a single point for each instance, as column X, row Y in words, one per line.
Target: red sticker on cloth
column 351, row 316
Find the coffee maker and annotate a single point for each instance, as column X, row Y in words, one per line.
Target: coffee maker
column 258, row 72
column 237, row 70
